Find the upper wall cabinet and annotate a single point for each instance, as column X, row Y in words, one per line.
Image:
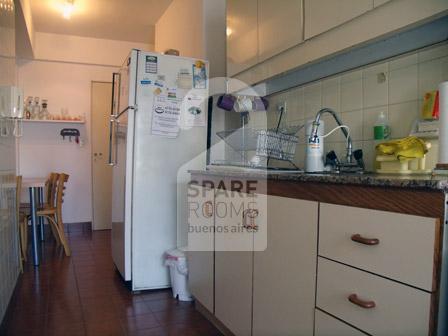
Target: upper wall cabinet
column 260, row 29
column 322, row 15
column 280, row 26
column 242, row 35
column 377, row 3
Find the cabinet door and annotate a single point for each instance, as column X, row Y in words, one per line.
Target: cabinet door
column 233, row 264
column 377, row 3
column 201, row 245
column 322, row 15
column 279, row 26
column 285, row 273
column 242, row 35
column 327, row 325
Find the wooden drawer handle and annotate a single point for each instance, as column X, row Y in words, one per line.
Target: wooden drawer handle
column 366, row 241
column 251, row 214
column 207, row 209
column 353, row 298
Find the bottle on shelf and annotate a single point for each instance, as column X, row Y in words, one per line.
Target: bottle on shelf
column 36, row 109
column 28, row 107
column 44, row 111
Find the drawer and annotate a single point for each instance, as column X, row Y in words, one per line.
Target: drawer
column 326, row 325
column 398, row 310
column 406, row 249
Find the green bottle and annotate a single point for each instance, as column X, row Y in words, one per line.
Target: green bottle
column 381, row 129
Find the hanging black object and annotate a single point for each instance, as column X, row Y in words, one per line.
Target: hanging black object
column 70, row 132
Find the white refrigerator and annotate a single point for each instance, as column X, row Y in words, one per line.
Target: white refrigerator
column 158, row 130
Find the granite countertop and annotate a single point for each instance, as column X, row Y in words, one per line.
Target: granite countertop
column 438, row 182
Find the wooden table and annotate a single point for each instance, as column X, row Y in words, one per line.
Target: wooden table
column 35, row 188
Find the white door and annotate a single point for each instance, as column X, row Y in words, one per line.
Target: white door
column 101, row 98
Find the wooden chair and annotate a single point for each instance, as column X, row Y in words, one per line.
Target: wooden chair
column 53, row 213
column 50, row 194
column 50, row 190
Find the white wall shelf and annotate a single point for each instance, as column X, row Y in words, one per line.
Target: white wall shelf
column 54, row 121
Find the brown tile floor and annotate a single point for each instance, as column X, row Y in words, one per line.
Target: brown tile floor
column 83, row 295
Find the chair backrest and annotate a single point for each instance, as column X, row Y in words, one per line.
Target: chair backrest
column 18, row 194
column 50, row 190
column 63, row 178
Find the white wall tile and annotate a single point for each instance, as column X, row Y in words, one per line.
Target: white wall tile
column 375, row 85
column 403, row 85
column 430, row 75
column 299, row 157
column 353, row 120
column 368, row 149
column 313, row 99
column 403, row 61
column 445, row 69
column 433, row 52
column 330, row 94
column 351, row 95
column 401, row 118
column 358, row 98
column 351, row 76
column 295, row 105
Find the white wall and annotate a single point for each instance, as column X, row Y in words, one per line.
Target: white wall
column 180, row 27
column 62, row 72
column 67, row 48
column 25, row 32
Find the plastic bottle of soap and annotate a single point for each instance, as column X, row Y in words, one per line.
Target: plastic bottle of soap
column 381, row 129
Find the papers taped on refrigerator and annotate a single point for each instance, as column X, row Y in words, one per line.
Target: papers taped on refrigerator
column 193, row 111
column 165, row 116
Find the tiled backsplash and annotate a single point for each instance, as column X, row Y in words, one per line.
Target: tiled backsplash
column 395, row 86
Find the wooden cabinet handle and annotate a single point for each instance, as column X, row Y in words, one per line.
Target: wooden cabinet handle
column 366, row 241
column 251, row 214
column 207, row 209
column 353, row 298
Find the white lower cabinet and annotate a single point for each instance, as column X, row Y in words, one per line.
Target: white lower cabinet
column 373, row 304
column 259, row 271
column 201, row 245
column 327, row 325
column 285, row 273
column 266, row 291
column 233, row 263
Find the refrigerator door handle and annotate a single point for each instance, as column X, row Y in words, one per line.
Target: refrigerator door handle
column 115, row 93
column 112, row 161
column 125, row 110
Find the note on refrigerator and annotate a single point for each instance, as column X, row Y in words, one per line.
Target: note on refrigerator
column 193, row 111
column 166, row 115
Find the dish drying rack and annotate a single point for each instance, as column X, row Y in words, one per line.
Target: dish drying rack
column 273, row 143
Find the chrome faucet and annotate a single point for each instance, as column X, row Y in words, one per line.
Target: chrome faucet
column 314, row 136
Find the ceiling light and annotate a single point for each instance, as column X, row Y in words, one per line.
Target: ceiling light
column 68, row 8
column 229, row 31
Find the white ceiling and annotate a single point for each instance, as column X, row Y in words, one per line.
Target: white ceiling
column 125, row 20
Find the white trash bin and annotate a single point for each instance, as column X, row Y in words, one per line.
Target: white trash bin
column 176, row 260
